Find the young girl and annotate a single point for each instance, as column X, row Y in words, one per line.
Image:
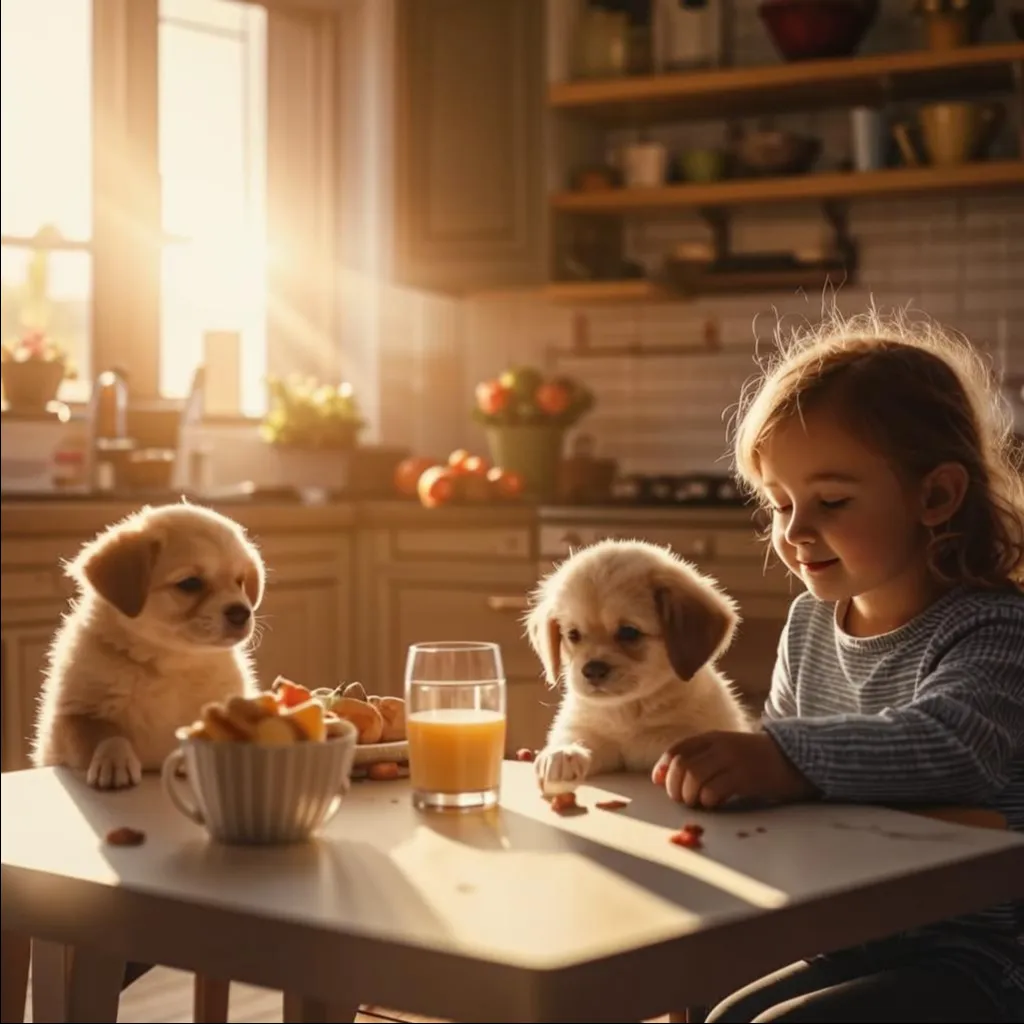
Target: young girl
column 896, row 498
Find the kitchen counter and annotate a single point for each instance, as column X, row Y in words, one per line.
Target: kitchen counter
column 89, row 512
column 86, row 515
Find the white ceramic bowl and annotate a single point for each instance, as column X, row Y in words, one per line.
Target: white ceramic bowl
column 248, row 793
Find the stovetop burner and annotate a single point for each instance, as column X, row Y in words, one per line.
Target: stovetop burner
column 708, row 490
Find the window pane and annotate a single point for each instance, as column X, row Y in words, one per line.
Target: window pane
column 212, row 163
column 46, row 129
column 49, row 291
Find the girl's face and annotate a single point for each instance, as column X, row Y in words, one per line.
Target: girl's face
column 843, row 521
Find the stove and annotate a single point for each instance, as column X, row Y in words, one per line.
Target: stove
column 685, row 490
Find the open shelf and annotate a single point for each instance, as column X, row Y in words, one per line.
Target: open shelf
column 584, row 293
column 796, row 189
column 802, row 85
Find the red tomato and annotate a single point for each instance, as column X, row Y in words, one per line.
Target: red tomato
column 552, row 399
column 437, row 486
column 492, row 396
column 506, row 482
column 408, row 473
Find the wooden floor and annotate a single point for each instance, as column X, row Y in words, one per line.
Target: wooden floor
column 164, row 996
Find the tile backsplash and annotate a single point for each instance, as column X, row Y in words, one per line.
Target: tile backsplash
column 957, row 260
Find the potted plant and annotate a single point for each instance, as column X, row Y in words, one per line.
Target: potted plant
column 313, row 427
column 525, row 417
column 33, row 368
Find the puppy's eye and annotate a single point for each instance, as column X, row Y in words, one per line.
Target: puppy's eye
column 627, row 634
column 190, row 585
column 573, row 636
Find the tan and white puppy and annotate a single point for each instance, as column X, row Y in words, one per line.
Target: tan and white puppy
column 161, row 626
column 632, row 631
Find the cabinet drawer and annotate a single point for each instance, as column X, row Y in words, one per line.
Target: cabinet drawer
column 692, row 542
column 28, row 584
column 467, row 544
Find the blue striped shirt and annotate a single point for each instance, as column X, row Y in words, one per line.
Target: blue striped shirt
column 932, row 712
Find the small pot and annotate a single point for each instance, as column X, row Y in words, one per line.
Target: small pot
column 31, row 384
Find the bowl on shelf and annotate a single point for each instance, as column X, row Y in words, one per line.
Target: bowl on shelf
column 817, row 29
column 770, row 153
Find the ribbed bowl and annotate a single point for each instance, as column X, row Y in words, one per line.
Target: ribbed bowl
column 245, row 793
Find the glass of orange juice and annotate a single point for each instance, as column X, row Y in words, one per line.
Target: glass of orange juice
column 455, row 720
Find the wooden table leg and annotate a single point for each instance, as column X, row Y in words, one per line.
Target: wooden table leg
column 17, row 951
column 74, row 984
column 300, row 1010
column 210, row 997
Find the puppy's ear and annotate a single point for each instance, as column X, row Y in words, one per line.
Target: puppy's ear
column 545, row 637
column 255, row 577
column 118, row 566
column 697, row 620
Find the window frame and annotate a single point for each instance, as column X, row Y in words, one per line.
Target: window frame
column 127, row 232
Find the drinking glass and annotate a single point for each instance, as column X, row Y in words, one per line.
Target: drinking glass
column 455, row 718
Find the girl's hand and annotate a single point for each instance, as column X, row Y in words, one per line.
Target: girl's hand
column 714, row 767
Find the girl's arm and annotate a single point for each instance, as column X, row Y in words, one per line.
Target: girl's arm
column 955, row 742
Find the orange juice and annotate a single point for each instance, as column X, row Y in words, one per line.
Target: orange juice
column 455, row 750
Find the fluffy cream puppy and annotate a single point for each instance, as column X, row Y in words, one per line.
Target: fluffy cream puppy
column 161, row 626
column 633, row 632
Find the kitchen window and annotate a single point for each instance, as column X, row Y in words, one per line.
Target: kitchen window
column 169, row 168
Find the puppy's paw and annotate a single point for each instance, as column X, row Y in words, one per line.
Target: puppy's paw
column 562, row 769
column 114, row 765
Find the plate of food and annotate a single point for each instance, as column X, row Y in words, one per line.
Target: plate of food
column 382, row 746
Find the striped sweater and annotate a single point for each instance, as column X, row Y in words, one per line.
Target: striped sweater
column 932, row 712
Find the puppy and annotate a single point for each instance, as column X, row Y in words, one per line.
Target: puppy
column 633, row 632
column 160, row 627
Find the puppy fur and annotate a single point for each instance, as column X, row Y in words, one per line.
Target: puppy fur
column 160, row 626
column 632, row 632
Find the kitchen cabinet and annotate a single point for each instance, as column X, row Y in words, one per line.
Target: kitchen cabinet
column 305, row 621
column 421, row 583
column 442, row 130
column 469, row 120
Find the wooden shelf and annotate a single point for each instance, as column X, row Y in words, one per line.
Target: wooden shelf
column 586, row 293
column 802, row 85
column 594, row 292
column 796, row 189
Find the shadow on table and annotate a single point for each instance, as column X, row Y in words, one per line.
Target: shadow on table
column 694, row 882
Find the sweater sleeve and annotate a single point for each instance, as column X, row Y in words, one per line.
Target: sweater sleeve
column 954, row 742
column 781, row 702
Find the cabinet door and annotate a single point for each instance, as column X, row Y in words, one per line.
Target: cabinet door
column 436, row 601
column 301, row 635
column 24, row 662
column 469, row 202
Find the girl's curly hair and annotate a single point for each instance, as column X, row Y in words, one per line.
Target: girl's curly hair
column 920, row 395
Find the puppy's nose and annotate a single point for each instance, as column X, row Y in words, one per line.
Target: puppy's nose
column 237, row 614
column 595, row 671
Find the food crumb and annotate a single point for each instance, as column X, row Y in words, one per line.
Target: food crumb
column 742, row 835
column 760, row 828
column 125, row 836
column 525, row 754
column 565, row 803
column 612, row 805
column 695, row 829
column 691, row 840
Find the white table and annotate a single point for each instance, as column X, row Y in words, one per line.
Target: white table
column 513, row 915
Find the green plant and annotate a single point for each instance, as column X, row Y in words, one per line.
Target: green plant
column 35, row 346
column 523, row 396
column 304, row 413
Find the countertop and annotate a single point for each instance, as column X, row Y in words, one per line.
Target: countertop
column 89, row 513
